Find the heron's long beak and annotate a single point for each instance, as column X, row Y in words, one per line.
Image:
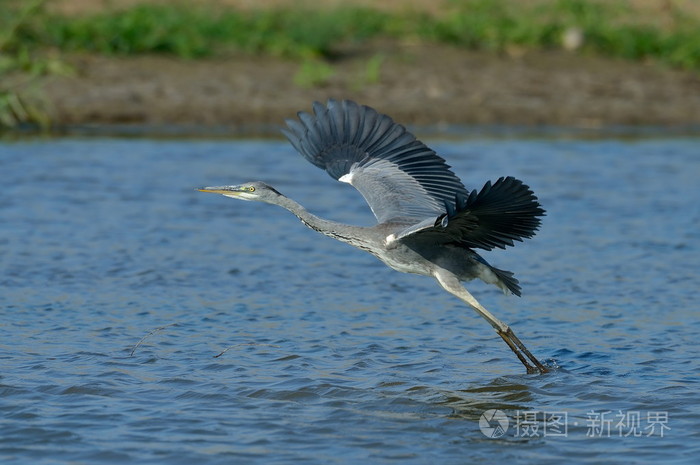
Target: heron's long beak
column 224, row 190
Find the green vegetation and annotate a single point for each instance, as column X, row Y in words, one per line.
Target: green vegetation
column 198, row 31
column 609, row 27
column 29, row 33
column 373, row 69
column 15, row 58
column 313, row 73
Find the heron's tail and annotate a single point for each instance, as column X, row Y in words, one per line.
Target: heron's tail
column 507, row 281
column 504, row 279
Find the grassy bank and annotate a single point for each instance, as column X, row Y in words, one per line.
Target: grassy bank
column 607, row 27
column 34, row 40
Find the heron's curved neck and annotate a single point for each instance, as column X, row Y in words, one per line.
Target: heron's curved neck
column 354, row 235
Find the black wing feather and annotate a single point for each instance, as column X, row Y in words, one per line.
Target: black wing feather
column 495, row 216
column 399, row 176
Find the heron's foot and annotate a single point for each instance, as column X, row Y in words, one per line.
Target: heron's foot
column 522, row 353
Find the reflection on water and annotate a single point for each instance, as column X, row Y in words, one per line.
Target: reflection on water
column 327, row 356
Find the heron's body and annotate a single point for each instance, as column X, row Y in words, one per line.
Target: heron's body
column 428, row 222
column 464, row 263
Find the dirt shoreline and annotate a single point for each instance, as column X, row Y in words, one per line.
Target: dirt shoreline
column 418, row 84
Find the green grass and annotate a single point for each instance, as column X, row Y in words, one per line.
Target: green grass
column 610, row 28
column 19, row 69
column 313, row 73
column 32, row 39
column 197, row 31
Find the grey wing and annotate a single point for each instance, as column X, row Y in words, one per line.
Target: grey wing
column 493, row 217
column 399, row 176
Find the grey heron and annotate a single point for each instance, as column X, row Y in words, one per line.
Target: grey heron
column 428, row 223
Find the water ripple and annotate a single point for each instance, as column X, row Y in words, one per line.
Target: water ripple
column 143, row 322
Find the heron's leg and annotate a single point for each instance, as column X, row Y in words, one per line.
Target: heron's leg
column 451, row 284
column 510, row 335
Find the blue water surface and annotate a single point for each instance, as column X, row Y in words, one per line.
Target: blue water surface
column 120, row 285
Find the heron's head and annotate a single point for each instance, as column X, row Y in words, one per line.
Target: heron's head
column 250, row 191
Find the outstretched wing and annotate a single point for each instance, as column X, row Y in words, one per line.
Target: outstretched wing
column 399, row 176
column 493, row 217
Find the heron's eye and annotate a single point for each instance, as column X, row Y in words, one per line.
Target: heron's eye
column 251, row 189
